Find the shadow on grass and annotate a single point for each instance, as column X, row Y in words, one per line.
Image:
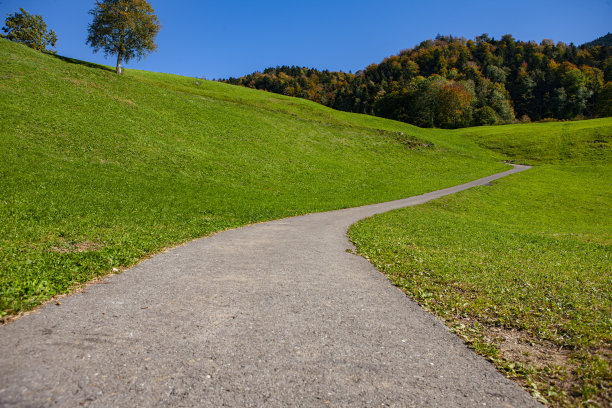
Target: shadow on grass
column 84, row 63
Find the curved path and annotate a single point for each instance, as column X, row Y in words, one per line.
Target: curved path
column 275, row 314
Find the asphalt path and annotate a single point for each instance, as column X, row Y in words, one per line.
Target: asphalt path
column 275, row 314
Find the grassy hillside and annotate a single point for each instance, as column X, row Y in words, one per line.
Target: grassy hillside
column 521, row 269
column 580, row 142
column 100, row 170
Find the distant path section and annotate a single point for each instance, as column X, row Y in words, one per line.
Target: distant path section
column 276, row 314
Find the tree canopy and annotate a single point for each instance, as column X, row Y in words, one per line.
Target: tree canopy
column 126, row 28
column 453, row 82
column 604, row 40
column 30, row 30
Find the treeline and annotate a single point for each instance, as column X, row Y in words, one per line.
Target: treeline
column 452, row 82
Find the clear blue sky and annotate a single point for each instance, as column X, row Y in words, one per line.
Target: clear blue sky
column 218, row 39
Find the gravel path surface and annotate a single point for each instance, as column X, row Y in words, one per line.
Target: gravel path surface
column 275, row 314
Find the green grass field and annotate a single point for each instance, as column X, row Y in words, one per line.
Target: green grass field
column 98, row 170
column 522, row 269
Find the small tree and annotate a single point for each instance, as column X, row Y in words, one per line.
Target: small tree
column 30, row 30
column 485, row 116
column 603, row 106
column 126, row 28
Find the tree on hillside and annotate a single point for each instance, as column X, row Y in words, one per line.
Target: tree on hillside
column 453, row 105
column 126, row 28
column 30, row 30
column 603, row 108
column 604, row 41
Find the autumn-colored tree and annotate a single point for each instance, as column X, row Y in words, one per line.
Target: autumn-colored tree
column 30, row 30
column 452, row 82
column 452, row 105
column 126, row 28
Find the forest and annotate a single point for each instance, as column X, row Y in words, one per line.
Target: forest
column 451, row 82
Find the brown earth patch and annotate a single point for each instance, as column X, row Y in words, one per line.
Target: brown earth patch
column 75, row 81
column 126, row 101
column 83, row 246
column 518, row 346
column 555, row 369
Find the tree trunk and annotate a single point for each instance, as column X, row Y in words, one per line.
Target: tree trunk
column 119, row 60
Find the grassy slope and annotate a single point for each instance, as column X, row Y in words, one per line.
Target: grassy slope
column 98, row 170
column 522, row 269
